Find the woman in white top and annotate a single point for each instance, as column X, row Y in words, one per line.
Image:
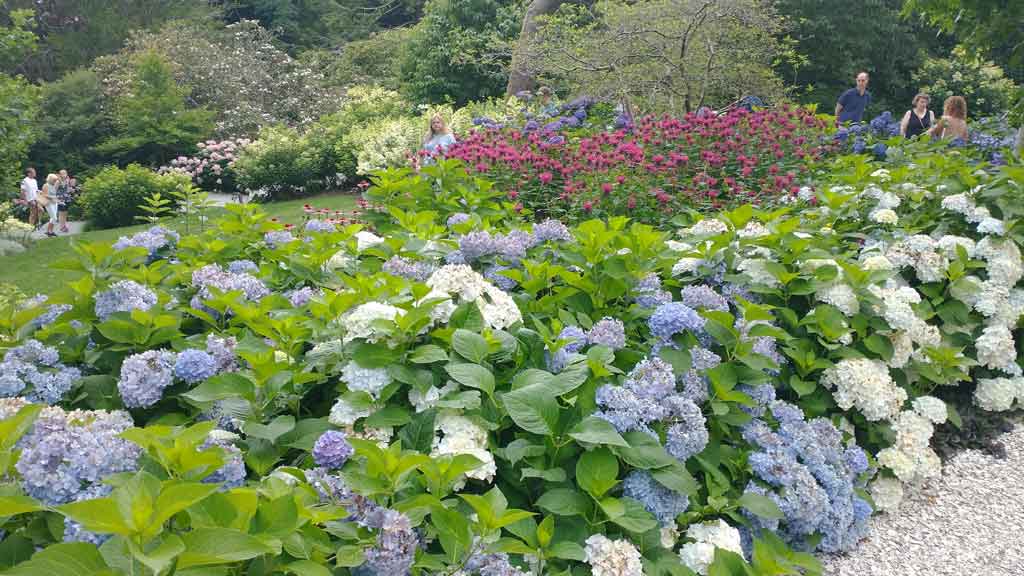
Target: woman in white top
column 47, row 200
column 438, row 137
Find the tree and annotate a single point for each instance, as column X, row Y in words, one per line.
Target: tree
column 667, row 55
column 837, row 40
column 982, row 83
column 519, row 78
column 75, row 122
column 460, row 51
column 152, row 123
column 74, row 32
column 19, row 100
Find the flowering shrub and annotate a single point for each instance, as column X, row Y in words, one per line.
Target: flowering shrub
column 659, row 167
column 212, row 168
column 463, row 390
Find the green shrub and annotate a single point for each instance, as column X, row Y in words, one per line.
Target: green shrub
column 980, row 82
column 280, row 163
column 112, row 197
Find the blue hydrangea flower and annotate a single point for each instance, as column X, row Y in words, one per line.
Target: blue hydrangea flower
column 243, row 267
column 688, row 436
column 37, row 366
column 649, row 293
column 610, row 332
column 320, row 226
column 332, row 449
column 665, row 504
column 574, row 337
column 301, row 296
column 65, row 454
column 223, row 351
column 194, row 366
column 491, row 565
column 626, row 411
column 145, row 376
column 397, row 542
column 763, row 395
column 476, row 245
column 124, row 296
column 153, row 240
column 277, row 238
column 551, row 230
column 703, row 297
column 457, row 218
column 513, row 246
column 492, row 273
column 406, row 268
column 232, row 473
column 674, row 318
column 651, row 378
column 213, row 276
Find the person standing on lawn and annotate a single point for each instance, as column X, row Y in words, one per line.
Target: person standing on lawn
column 47, row 200
column 29, row 192
column 64, row 199
column 853, row 102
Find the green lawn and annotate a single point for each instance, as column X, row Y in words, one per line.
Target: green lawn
column 31, row 273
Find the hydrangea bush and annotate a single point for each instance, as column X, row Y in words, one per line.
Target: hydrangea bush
column 466, row 390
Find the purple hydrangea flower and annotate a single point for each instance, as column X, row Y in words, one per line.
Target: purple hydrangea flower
column 689, row 434
column 493, row 274
column 651, row 378
column 491, row 565
column 37, row 366
column 243, row 267
column 610, row 332
column 703, row 297
column 626, row 411
column 513, row 246
column 649, row 293
column 320, row 226
column 300, row 297
column 213, row 276
column 124, row 296
column 194, row 366
column 152, row 240
column 476, row 245
column 332, row 449
column 223, row 351
column 144, row 377
column 457, row 218
column 397, row 542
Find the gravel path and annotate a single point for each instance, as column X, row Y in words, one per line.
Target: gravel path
column 968, row 522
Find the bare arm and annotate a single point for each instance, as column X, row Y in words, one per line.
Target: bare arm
column 937, row 130
column 903, row 124
column 839, row 108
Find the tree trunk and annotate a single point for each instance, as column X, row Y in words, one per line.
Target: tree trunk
column 520, row 76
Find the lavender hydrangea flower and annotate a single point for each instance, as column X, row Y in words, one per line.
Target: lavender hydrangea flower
column 37, row 366
column 124, row 296
column 476, row 245
column 276, row 238
column 674, row 318
column 145, row 376
column 491, row 565
column 232, row 473
column 513, row 245
column 551, row 230
column 626, row 411
column 194, row 366
column 610, row 332
column 455, row 257
column 703, row 297
column 457, row 218
column 153, row 240
column 243, row 267
column 575, row 339
column 223, row 352
column 65, row 454
column 407, row 268
column 651, row 378
column 213, row 276
column 397, row 542
column 301, row 296
column 665, row 504
column 492, row 273
column 689, row 434
column 51, row 314
column 332, row 449
column 320, row 226
column 649, row 293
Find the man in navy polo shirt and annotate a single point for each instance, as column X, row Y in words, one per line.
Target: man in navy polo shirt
column 853, row 102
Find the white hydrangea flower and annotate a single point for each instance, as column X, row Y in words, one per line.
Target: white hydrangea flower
column 806, row 193
column 913, row 431
column 366, row 239
column 442, row 312
column 686, row 266
column 460, row 435
column 978, row 214
column 753, row 230
column 423, row 401
column 612, row 557
column 885, row 216
column 931, row 408
column 902, row 349
column 911, row 458
column 842, row 297
column 285, row 477
column 991, row 226
column 866, row 385
column 707, row 227
column 998, row 394
column 669, row 535
column 918, row 252
column 499, row 309
column 677, row 246
column 887, row 493
column 876, row 262
column 996, row 349
column 358, row 322
column 1004, row 260
column 698, row 555
column 756, row 270
column 948, row 245
column 959, row 203
column 369, row 380
column 345, row 414
column 340, row 260
column 219, row 435
column 882, row 174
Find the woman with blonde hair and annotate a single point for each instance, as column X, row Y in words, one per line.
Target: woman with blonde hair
column 47, row 200
column 438, row 137
column 953, row 123
column 918, row 119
